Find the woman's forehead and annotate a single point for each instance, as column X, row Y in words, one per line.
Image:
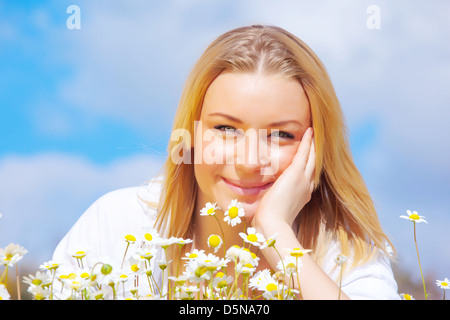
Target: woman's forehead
column 256, row 97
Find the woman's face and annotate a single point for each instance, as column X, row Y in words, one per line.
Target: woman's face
column 249, row 130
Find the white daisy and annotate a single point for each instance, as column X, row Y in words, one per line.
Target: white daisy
column 252, row 237
column 215, row 241
column 234, row 213
column 149, row 235
column 209, row 209
column 291, row 264
column 193, row 254
column 4, row 294
column 270, row 242
column 39, row 279
column 414, row 217
column 444, row 284
column 12, row 254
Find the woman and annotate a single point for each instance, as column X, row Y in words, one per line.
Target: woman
column 261, row 88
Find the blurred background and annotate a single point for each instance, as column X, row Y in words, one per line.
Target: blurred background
column 88, row 93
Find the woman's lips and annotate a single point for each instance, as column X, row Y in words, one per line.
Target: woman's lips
column 246, row 189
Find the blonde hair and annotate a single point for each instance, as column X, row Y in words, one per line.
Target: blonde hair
column 341, row 208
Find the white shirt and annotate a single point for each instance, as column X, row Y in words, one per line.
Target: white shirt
column 102, row 228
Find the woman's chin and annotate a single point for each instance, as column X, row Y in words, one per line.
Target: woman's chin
column 250, row 210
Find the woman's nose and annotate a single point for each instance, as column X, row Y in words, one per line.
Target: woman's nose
column 251, row 152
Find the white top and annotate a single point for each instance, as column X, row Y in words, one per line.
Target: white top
column 101, row 230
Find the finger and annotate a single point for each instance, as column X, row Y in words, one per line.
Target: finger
column 311, row 164
column 301, row 156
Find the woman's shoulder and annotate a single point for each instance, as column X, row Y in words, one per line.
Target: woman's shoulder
column 113, row 215
column 371, row 279
column 128, row 201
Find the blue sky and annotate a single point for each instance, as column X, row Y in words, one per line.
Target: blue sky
column 87, row 111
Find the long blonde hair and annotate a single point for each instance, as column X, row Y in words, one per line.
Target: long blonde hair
column 341, row 208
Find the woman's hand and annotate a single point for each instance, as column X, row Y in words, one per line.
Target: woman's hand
column 293, row 188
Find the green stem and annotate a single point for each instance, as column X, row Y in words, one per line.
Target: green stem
column 17, row 282
column 223, row 236
column 282, row 262
column 126, row 249
column 421, row 273
column 340, row 283
column 298, row 278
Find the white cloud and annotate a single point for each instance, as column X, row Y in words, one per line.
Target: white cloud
column 42, row 196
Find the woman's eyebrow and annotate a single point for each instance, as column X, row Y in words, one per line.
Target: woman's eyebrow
column 273, row 124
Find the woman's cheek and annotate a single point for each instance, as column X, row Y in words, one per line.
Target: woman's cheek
column 281, row 157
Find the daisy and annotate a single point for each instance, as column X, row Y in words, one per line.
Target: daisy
column 39, row 293
column 298, row 253
column 187, row 292
column 79, row 254
column 12, row 254
column 270, row 242
column 180, row 241
column 49, row 265
column 414, row 217
column 406, row 296
column 215, row 241
column 149, row 234
column 130, row 239
column 340, row 259
column 146, row 252
column 165, row 243
column 196, row 272
column 245, row 269
column 212, row 262
column 252, row 237
column 209, row 209
column 193, row 254
column 233, row 252
column 221, row 280
column 234, row 213
column 4, row 294
column 290, row 265
column 246, row 256
column 39, row 279
column 257, row 281
column 445, row 284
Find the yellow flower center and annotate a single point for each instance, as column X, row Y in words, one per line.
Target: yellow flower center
column 210, row 211
column 407, row 296
column 200, row 271
column 271, row 287
column 444, row 284
column 134, row 268
column 84, row 275
column 414, row 216
column 222, row 284
column 233, row 212
column 148, row 237
column 297, row 253
column 130, row 237
column 36, row 282
column 252, row 237
column 214, row 241
column 290, row 266
column 193, row 255
column 80, row 253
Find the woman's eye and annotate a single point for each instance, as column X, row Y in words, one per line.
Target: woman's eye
column 225, row 128
column 281, row 134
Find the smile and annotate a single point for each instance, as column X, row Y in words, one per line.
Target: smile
column 246, row 189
